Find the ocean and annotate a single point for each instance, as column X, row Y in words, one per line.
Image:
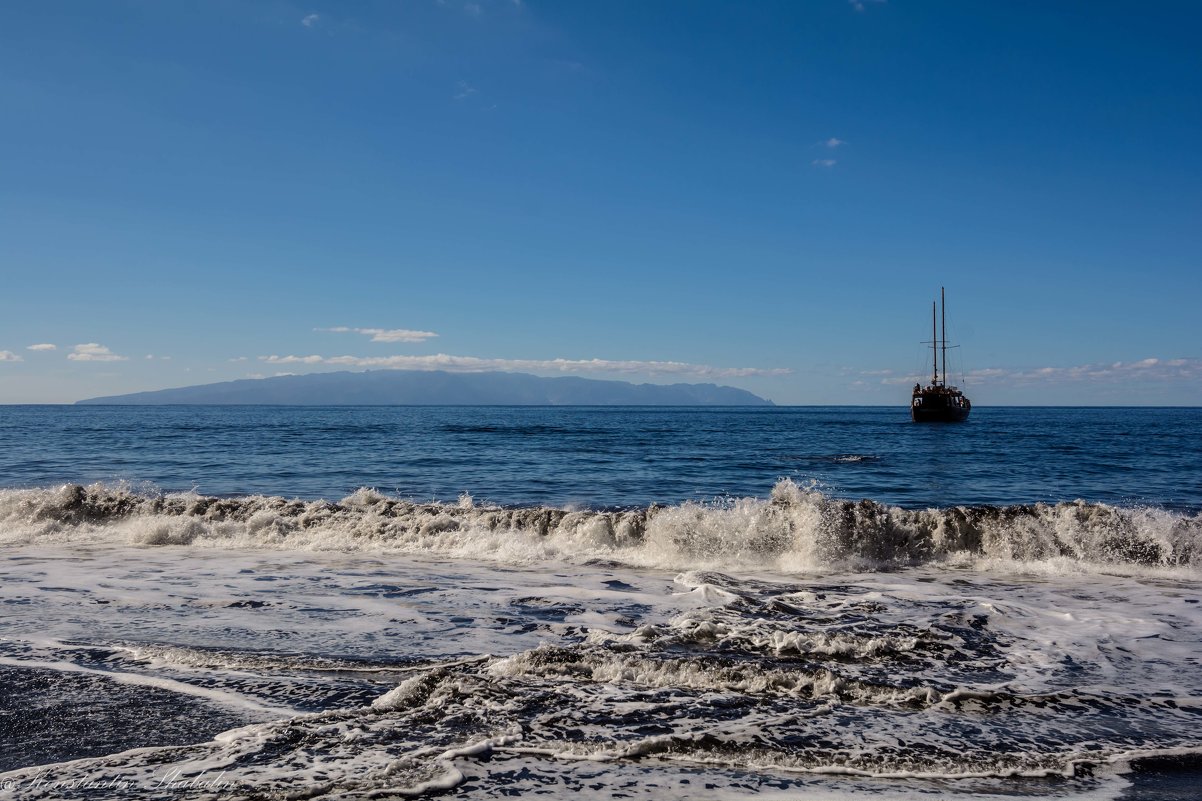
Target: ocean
column 701, row 603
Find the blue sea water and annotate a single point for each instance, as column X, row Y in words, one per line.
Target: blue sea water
column 703, row 603
column 615, row 457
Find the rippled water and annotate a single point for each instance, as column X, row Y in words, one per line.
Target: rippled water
column 615, row 457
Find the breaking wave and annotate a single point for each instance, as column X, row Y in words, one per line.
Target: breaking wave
column 795, row 529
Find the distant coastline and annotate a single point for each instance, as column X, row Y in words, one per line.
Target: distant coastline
column 436, row 388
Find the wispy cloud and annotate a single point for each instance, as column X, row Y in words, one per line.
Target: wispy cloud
column 9, row 356
column 94, row 352
column 300, row 359
column 478, row 9
column 237, row 359
column 1144, row 370
column 384, row 334
column 42, row 346
column 825, row 163
column 475, row 364
column 833, row 143
column 310, row 20
column 1150, row 369
column 568, row 65
column 860, row 5
column 464, row 91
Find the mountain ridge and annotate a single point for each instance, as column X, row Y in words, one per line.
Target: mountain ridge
column 435, row 388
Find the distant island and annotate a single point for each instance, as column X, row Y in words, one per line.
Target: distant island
column 437, row 388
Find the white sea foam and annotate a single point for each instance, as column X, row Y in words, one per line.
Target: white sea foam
column 796, row 530
column 421, row 647
column 428, row 673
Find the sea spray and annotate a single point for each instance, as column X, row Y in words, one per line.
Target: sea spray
column 797, row 528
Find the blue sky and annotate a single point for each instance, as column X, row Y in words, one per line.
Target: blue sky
column 767, row 195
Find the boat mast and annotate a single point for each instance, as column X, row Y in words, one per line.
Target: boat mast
column 934, row 347
column 943, row 311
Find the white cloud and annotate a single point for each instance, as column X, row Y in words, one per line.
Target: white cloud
column 465, row 91
column 475, row 364
column 310, row 20
column 42, row 346
column 860, row 5
column 9, row 356
column 823, row 162
column 93, row 352
column 293, row 359
column 833, row 143
column 384, row 334
column 237, row 359
column 1151, row 369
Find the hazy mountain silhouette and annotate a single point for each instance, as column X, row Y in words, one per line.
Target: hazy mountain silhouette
column 420, row 387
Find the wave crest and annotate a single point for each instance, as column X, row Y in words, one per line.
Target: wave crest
column 795, row 529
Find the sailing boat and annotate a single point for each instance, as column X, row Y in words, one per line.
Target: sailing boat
column 937, row 402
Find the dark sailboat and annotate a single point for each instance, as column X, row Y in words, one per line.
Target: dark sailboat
column 937, row 402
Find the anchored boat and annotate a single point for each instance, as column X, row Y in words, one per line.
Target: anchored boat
column 937, row 402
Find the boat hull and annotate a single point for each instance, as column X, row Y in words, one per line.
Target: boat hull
column 934, row 414
column 937, row 404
